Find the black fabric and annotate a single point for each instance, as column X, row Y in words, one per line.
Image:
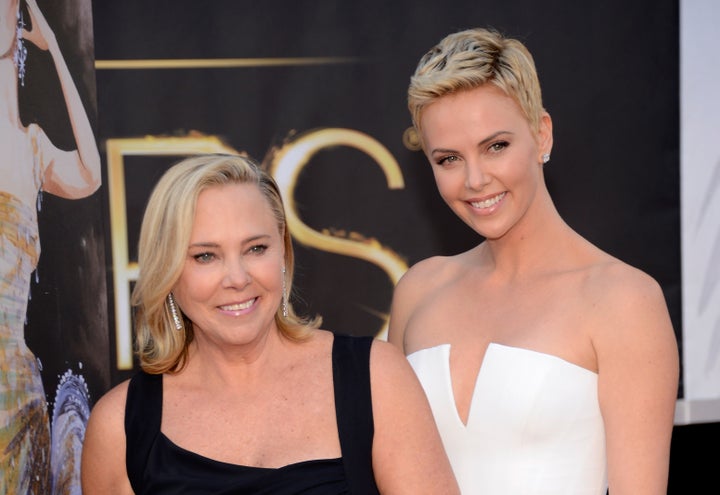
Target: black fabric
column 157, row 466
column 353, row 407
column 143, row 413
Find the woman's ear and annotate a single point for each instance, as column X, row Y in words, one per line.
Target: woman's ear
column 545, row 136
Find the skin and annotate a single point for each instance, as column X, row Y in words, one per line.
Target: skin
column 231, row 287
column 613, row 319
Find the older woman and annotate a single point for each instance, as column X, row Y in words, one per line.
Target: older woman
column 237, row 393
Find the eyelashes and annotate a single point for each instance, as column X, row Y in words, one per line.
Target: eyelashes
column 498, row 146
column 208, row 256
column 494, row 148
column 258, row 249
column 204, row 257
column 445, row 160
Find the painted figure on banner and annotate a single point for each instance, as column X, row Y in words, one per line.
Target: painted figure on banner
column 551, row 366
column 35, row 457
column 237, row 393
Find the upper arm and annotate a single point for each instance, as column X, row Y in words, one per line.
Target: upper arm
column 408, row 291
column 398, row 313
column 103, row 469
column 408, row 455
column 638, row 373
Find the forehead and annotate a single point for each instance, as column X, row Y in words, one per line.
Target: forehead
column 486, row 108
column 230, row 209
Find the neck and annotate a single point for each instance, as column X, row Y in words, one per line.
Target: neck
column 533, row 244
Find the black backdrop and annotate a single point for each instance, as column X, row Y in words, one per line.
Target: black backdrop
column 610, row 75
column 610, row 78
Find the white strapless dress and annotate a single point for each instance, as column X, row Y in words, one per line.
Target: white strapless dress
column 534, row 426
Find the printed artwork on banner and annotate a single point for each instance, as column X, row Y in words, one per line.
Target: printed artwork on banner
column 50, row 157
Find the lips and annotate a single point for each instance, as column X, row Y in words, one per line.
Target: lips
column 238, row 306
column 487, row 203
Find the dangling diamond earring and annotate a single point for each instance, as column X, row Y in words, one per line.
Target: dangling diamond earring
column 546, row 158
column 20, row 54
column 174, row 312
column 284, row 295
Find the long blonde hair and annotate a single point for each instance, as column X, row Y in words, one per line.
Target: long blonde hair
column 162, row 248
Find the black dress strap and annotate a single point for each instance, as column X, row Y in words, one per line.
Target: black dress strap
column 353, row 408
column 143, row 415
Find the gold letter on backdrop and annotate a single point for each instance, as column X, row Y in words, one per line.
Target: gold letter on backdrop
column 288, row 162
column 124, row 270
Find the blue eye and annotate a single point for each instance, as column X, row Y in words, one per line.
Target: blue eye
column 448, row 159
column 258, row 249
column 499, row 146
column 204, row 257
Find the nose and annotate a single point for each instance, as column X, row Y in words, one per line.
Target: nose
column 476, row 177
column 237, row 275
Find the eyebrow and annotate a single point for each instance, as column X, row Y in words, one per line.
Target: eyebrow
column 215, row 244
column 481, row 143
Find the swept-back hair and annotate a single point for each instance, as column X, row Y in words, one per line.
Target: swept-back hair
column 468, row 59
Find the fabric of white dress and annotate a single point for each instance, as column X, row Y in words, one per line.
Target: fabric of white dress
column 534, row 426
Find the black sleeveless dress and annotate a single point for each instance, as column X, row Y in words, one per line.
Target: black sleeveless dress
column 157, row 466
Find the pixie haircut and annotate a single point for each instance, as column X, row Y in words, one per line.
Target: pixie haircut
column 162, row 249
column 468, row 59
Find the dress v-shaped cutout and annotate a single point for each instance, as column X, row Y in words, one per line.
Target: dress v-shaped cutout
column 444, row 350
column 534, row 423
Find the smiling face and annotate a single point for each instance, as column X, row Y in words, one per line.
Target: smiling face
column 486, row 159
column 231, row 282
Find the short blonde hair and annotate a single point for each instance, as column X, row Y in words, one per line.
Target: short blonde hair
column 162, row 248
column 468, row 59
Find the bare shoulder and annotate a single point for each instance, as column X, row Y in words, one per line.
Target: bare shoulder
column 309, row 355
column 443, row 267
column 391, row 375
column 387, row 361
column 320, row 338
column 107, row 417
column 112, row 402
column 616, row 284
column 627, row 309
column 421, row 271
column 422, row 280
column 103, row 454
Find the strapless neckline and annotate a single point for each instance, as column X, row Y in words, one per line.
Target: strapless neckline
column 534, row 423
column 493, row 352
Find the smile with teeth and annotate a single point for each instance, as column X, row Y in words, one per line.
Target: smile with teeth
column 238, row 306
column 487, row 203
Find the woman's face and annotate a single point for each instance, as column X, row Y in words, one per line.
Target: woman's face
column 485, row 157
column 231, row 284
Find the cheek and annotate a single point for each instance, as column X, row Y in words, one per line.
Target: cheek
column 267, row 273
column 446, row 183
column 532, row 172
column 522, row 167
column 192, row 289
